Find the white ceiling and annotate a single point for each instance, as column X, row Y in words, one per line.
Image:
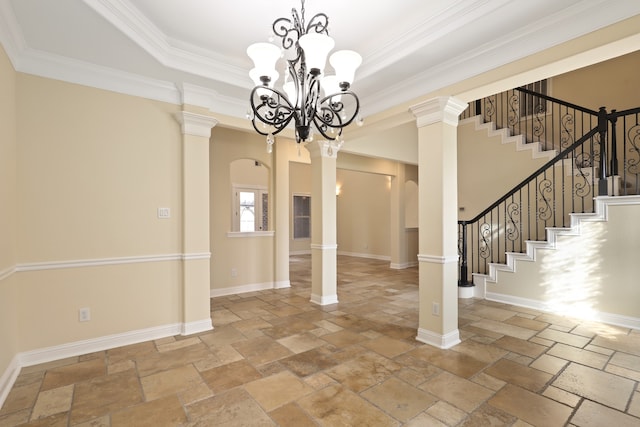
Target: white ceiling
column 152, row 48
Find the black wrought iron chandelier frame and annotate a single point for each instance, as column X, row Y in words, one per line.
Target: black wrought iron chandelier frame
column 273, row 110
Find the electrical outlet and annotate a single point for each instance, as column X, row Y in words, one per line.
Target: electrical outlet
column 234, row 272
column 435, row 309
column 84, row 314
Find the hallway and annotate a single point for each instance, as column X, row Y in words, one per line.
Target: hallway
column 276, row 359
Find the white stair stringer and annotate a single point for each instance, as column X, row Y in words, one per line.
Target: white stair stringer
column 532, row 246
column 535, row 148
column 602, row 294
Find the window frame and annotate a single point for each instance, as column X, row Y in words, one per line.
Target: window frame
column 294, row 217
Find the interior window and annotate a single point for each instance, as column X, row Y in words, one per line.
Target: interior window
column 301, row 216
column 250, row 196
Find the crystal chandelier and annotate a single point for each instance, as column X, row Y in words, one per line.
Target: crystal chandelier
column 309, row 96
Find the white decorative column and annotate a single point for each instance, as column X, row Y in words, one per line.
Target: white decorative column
column 196, row 293
column 437, row 121
column 324, row 248
column 281, row 214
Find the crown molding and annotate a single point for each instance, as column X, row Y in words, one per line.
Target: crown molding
column 123, row 15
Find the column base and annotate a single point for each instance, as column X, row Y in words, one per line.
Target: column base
column 466, row 292
column 196, row 327
column 282, row 284
column 324, row 300
column 438, row 340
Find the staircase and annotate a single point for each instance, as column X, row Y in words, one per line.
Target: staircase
column 507, row 251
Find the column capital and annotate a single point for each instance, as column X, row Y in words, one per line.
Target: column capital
column 444, row 109
column 196, row 124
column 324, row 148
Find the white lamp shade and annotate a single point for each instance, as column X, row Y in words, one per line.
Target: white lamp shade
column 316, row 48
column 264, row 56
column 345, row 63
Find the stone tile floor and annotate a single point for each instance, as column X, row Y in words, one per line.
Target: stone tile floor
column 276, row 359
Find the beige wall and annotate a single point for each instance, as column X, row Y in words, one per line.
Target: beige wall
column 299, row 184
column 488, row 169
column 612, row 84
column 8, row 215
column 93, row 167
column 236, row 261
column 363, row 214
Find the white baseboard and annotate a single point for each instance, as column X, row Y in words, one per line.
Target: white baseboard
column 396, row 266
column 609, row 318
column 8, row 378
column 77, row 348
column 324, row 300
column 197, row 327
column 363, row 255
column 242, row 289
column 283, row 284
column 437, row 340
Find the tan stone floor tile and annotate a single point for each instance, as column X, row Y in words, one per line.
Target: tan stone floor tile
column 104, row 421
column 102, row 395
column 523, row 347
column 166, row 411
column 623, row 372
column 222, row 335
column 564, row 338
column 505, row 329
column 624, row 360
column 573, row 354
column 457, row 363
column 423, row 420
column 220, row 355
column 233, row 408
column 223, row 317
column 530, row 407
column 29, row 378
column 448, row 414
column 319, row 380
column 57, row 420
column 388, row 347
column 492, row 313
column 338, row 406
column 593, row 414
column 259, row 351
column 417, row 375
column 277, row 390
column 364, row 371
column 229, row 376
column 287, row 327
column 634, row 407
column 159, row 362
column 121, row 366
column 310, row 362
column 524, row 322
column 542, row 341
column 399, row 399
column 178, row 344
column 300, row 343
column 483, row 352
column 557, row 320
column 291, row 415
column 469, row 328
column 169, row 382
column 15, row 418
column 19, row 398
column 610, row 390
column 601, row 350
column 549, row 364
column 49, row 365
column 69, row 374
column 328, row 325
column 457, row 391
column 523, row 376
column 518, row 358
column 488, row 381
column 561, row 396
column 487, row 415
column 53, row 401
column 199, row 392
column 343, row 338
